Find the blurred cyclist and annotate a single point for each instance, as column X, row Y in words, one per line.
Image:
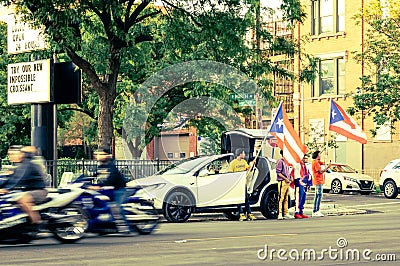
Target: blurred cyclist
column 107, row 174
column 26, row 176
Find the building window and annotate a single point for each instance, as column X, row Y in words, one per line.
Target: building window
column 383, row 132
column 331, row 80
column 182, row 155
column 328, row 16
column 170, row 155
column 327, row 77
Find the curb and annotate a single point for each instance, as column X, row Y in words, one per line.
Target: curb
column 329, row 209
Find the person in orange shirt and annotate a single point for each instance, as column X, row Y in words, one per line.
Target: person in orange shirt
column 318, row 181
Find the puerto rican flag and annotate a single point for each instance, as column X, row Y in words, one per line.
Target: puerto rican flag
column 287, row 138
column 342, row 123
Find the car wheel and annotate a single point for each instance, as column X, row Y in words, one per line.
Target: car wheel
column 336, row 187
column 178, row 207
column 269, row 204
column 233, row 216
column 390, row 189
column 365, row 192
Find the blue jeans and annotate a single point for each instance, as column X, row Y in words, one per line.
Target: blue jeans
column 300, row 199
column 119, row 196
column 116, row 209
column 318, row 197
column 246, row 205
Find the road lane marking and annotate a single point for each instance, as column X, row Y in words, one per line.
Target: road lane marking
column 234, row 237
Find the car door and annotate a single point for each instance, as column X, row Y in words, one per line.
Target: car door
column 217, row 187
column 395, row 172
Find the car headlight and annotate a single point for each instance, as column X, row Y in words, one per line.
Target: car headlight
column 154, row 186
column 350, row 179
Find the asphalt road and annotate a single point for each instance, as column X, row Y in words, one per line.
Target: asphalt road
column 212, row 240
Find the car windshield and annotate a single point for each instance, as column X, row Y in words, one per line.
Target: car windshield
column 341, row 168
column 393, row 165
column 183, row 167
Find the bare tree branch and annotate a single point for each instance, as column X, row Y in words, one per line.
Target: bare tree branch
column 87, row 112
column 184, row 11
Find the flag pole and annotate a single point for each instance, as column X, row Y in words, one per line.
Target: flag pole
column 253, row 166
column 266, row 135
column 329, row 132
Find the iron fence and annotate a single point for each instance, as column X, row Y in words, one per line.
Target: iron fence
column 132, row 169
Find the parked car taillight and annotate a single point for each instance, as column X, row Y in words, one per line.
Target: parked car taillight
column 380, row 174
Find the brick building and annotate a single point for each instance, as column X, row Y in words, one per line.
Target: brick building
column 333, row 36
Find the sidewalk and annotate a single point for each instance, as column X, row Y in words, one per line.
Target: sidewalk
column 328, row 208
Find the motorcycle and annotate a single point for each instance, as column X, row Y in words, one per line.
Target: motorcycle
column 65, row 221
column 139, row 214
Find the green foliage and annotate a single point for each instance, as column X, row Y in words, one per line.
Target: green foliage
column 14, row 119
column 379, row 94
column 119, row 44
column 313, row 144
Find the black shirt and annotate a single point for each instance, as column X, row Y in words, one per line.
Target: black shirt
column 108, row 175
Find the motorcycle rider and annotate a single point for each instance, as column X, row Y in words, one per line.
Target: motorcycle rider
column 26, row 176
column 107, row 174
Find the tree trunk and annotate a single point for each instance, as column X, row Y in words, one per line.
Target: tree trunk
column 105, row 120
column 134, row 149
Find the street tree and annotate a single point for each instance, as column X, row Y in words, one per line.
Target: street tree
column 118, row 44
column 378, row 96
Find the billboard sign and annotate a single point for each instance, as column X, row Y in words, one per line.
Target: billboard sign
column 22, row 38
column 29, row 82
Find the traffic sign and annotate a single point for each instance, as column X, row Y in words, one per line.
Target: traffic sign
column 247, row 103
column 243, row 96
column 273, row 142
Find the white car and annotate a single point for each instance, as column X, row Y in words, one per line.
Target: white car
column 203, row 184
column 389, row 181
column 342, row 177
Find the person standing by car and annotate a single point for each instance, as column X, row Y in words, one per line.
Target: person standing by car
column 318, row 181
column 27, row 176
column 107, row 174
column 284, row 179
column 301, row 182
column 238, row 165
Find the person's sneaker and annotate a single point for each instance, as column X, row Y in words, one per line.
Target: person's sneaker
column 304, row 216
column 287, row 217
column 251, row 217
column 317, row 214
column 298, row 216
column 280, row 217
column 242, row 217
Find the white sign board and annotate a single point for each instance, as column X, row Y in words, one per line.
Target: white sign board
column 29, row 82
column 22, row 38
